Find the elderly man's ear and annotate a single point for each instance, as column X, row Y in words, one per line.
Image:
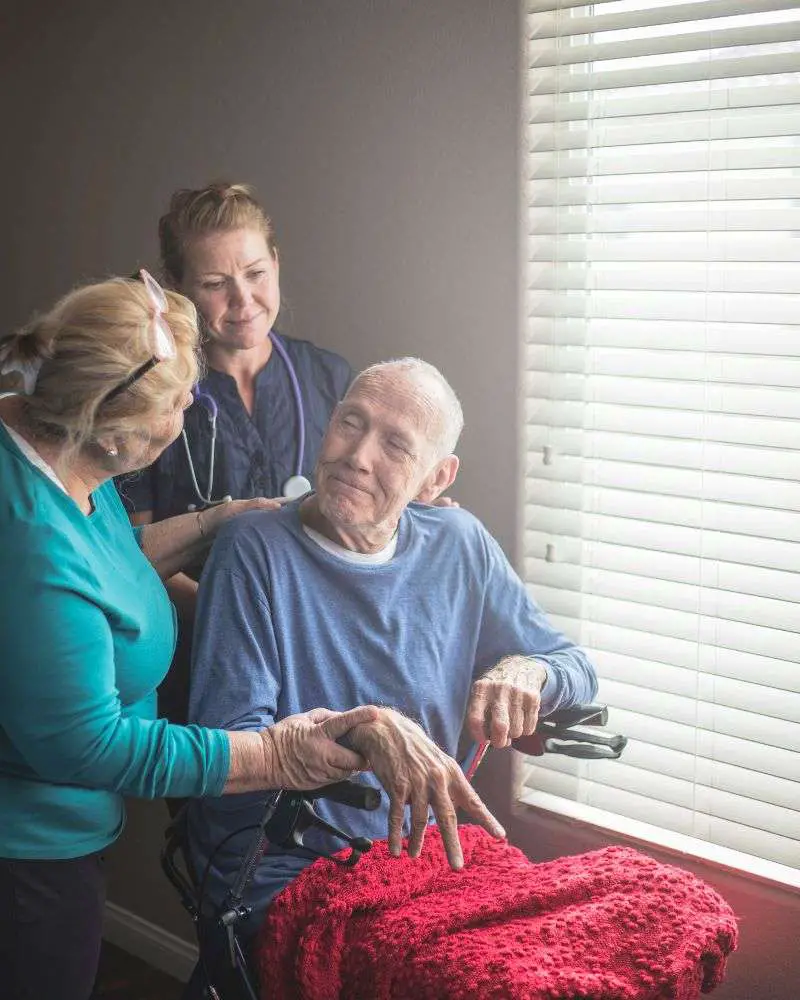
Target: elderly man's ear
column 440, row 479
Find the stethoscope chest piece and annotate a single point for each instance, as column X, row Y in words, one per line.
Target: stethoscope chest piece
column 296, row 486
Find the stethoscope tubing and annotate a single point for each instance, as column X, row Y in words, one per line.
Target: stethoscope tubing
column 298, row 403
column 200, row 396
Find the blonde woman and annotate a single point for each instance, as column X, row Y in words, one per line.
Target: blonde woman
column 87, row 630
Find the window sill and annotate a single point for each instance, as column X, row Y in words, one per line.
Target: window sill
column 673, row 843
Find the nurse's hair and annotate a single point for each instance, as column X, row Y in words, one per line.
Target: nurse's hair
column 65, row 363
column 218, row 207
column 434, row 391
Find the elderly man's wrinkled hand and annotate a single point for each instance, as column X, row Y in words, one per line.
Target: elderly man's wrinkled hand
column 303, row 751
column 415, row 772
column 504, row 704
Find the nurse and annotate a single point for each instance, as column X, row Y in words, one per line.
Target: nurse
column 262, row 408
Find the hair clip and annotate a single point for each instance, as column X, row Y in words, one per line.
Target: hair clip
column 27, row 370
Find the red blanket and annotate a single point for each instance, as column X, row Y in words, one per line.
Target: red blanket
column 610, row 925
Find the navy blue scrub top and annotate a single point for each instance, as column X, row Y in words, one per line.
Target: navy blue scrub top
column 254, row 455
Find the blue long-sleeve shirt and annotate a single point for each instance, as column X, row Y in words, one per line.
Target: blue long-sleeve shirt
column 86, row 633
column 284, row 626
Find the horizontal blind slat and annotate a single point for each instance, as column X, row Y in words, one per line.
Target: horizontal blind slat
column 686, row 781
column 550, row 81
column 544, row 526
column 654, row 191
column 693, row 98
column 632, row 624
column 665, row 246
column 675, row 127
column 695, row 365
column 554, row 25
column 544, row 54
column 664, row 335
column 684, row 818
column 692, row 569
column 731, row 277
column 763, row 463
column 671, row 159
column 652, row 507
column 733, row 679
column 686, row 306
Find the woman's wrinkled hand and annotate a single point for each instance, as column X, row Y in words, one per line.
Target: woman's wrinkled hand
column 445, row 502
column 210, row 520
column 302, row 751
column 415, row 772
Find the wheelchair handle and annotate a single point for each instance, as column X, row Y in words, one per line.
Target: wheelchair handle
column 577, row 715
column 348, row 793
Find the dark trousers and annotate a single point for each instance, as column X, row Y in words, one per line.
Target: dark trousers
column 51, row 920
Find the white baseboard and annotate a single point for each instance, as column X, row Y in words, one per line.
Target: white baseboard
column 147, row 941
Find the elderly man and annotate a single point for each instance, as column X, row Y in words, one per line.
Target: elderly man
column 362, row 593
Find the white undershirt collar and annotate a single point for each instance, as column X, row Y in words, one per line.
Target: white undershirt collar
column 383, row 555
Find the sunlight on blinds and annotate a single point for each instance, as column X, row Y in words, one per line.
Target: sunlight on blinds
column 661, row 386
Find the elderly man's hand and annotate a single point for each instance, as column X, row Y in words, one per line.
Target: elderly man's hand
column 504, row 704
column 302, row 749
column 414, row 771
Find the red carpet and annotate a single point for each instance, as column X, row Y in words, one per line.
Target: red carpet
column 610, row 925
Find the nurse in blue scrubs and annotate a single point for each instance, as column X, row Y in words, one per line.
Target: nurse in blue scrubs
column 262, row 408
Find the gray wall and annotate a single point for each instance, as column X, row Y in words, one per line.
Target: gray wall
column 383, row 136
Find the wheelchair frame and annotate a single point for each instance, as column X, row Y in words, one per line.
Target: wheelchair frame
column 288, row 815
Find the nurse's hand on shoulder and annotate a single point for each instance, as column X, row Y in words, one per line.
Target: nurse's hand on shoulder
column 211, row 519
column 445, row 502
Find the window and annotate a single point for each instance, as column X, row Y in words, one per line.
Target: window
column 661, row 368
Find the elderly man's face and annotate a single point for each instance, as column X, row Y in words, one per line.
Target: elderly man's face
column 377, row 454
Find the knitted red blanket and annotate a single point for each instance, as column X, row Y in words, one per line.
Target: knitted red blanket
column 610, row 925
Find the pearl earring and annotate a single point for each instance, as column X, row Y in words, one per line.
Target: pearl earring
column 112, row 452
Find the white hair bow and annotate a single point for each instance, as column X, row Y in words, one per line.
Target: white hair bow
column 29, row 370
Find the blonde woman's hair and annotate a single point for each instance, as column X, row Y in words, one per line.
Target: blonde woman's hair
column 218, row 207
column 88, row 343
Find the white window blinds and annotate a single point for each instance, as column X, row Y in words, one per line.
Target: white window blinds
column 662, row 399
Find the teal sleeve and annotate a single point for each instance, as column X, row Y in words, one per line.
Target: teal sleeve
column 62, row 711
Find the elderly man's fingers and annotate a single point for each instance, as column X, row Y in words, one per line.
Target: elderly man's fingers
column 347, row 761
column 499, row 723
column 531, row 716
column 397, row 808
column 473, row 804
column 516, row 714
column 259, row 503
column 419, row 824
column 341, row 723
column 448, row 827
column 476, row 713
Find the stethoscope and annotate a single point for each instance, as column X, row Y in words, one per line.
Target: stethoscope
column 296, row 485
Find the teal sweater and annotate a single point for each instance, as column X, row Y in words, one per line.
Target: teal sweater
column 86, row 633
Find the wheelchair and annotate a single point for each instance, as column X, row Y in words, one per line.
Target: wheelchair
column 288, row 815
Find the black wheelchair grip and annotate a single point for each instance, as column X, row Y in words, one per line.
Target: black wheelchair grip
column 348, row 793
column 580, row 715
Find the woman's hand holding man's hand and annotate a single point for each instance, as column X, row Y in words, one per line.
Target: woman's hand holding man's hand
column 302, row 751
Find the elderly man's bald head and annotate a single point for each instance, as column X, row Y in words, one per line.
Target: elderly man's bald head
column 431, row 391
